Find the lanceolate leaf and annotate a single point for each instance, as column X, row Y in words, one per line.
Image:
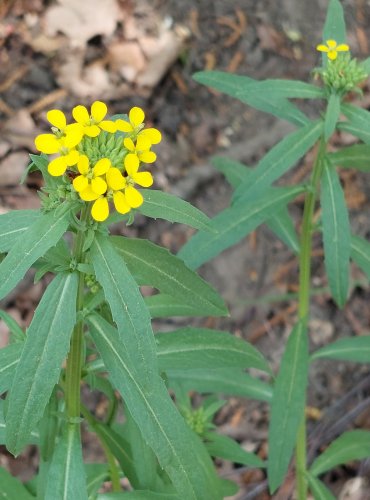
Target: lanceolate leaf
column 155, row 266
column 154, row 412
column 336, row 234
column 276, row 89
column 160, row 205
column 287, row 407
column 360, row 253
column 189, row 348
column 138, row 495
column 224, row 447
column 45, row 348
column 9, row 357
column 318, row 489
column 349, row 349
column 356, row 156
column 233, row 224
column 335, row 26
column 358, row 122
column 44, row 233
column 11, row 488
column 352, row 445
column 278, row 161
column 13, row 225
column 166, row 306
column 96, row 474
column 331, row 115
column 66, row 477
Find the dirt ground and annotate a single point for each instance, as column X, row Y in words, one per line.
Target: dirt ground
column 144, row 53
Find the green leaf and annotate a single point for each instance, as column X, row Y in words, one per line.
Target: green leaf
column 192, row 348
column 355, row 349
column 276, row 89
column 44, row 233
column 45, row 348
column 236, row 86
column 287, row 407
column 153, row 265
column 226, row 448
column 336, row 234
column 221, row 380
column 9, row 358
column 360, row 253
column 138, row 495
column 150, row 405
column 331, row 115
column 34, row 437
column 278, row 161
column 96, row 474
column 352, row 445
column 41, row 162
column 127, row 306
column 16, row 331
column 160, row 205
column 66, row 477
column 13, row 224
column 166, row 306
column 335, row 26
column 358, row 122
column 318, row 489
column 233, row 224
column 356, row 156
column 11, row 488
column 366, row 65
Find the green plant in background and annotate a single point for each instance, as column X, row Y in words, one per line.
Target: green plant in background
column 256, row 201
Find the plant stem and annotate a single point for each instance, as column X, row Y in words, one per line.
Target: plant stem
column 304, row 298
column 74, row 360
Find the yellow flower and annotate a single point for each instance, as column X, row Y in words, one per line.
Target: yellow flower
column 93, row 124
column 133, row 196
column 140, row 149
column 90, row 182
column 135, row 125
column 332, row 48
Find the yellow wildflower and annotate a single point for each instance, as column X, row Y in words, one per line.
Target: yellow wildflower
column 332, row 48
column 140, row 149
column 90, row 180
column 93, row 124
column 134, row 126
column 133, row 196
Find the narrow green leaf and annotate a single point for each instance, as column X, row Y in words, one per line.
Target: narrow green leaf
column 13, row 224
column 11, row 488
column 192, row 348
column 221, row 380
column 96, row 474
column 160, row 205
column 153, row 265
column 236, row 86
column 16, row 331
column 352, row 445
column 34, row 437
column 45, row 348
column 127, row 305
column 66, row 477
column 358, row 122
column 335, row 26
column 138, row 495
column 154, row 412
column 225, row 447
column 331, row 115
column 336, row 234
column 355, row 349
column 318, row 489
column 166, row 306
column 278, row 161
column 44, row 233
column 276, row 89
column 9, row 358
column 357, row 156
column 233, row 224
column 366, row 65
column 287, row 407
column 360, row 253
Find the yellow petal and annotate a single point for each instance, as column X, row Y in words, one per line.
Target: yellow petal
column 81, row 115
column 131, row 163
column 343, row 47
column 98, row 185
column 100, row 209
column 71, row 158
column 133, row 197
column 88, row 194
column 144, row 179
column 108, row 126
column 331, row 44
column 152, row 134
column 101, row 167
column 92, row 130
column 115, row 179
column 332, row 55
column 98, row 110
column 123, row 126
column 120, row 202
column 143, row 143
column 57, row 166
column 147, row 157
column 57, row 118
column 83, row 164
column 136, row 116
column 74, row 134
column 80, row 183
column 322, row 48
column 128, row 143
column 47, row 143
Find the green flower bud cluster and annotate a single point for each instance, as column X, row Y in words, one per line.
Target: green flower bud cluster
column 196, row 420
column 104, row 146
column 52, row 197
column 92, row 284
column 342, row 74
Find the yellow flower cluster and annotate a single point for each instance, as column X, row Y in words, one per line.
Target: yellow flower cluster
column 332, row 48
column 103, row 165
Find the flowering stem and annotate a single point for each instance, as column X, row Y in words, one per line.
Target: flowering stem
column 74, row 360
column 304, row 298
